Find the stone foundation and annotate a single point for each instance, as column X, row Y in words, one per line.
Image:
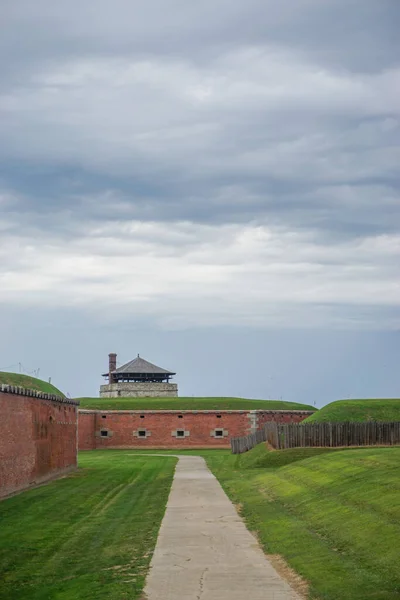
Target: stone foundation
column 139, row 390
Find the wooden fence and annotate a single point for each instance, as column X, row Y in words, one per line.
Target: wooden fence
column 328, row 435
column 243, row 444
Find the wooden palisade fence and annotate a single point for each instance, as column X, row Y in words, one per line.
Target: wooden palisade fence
column 247, row 442
column 330, row 435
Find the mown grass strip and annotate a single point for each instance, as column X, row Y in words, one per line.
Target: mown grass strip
column 89, row 535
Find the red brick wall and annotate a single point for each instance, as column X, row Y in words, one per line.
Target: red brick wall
column 121, row 426
column 281, row 417
column 86, row 431
column 37, row 439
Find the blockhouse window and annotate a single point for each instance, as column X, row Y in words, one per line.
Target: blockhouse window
column 180, row 416
column 218, row 416
column 142, row 416
column 219, row 433
column 180, row 433
column 142, row 433
column 104, row 433
column 104, row 416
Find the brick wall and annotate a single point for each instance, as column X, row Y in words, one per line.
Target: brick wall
column 37, row 439
column 281, row 416
column 86, row 430
column 160, row 429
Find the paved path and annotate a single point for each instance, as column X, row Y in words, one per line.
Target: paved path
column 204, row 551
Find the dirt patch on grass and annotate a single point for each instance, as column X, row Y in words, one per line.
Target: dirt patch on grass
column 296, row 582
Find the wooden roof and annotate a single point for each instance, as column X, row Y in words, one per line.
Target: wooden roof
column 141, row 366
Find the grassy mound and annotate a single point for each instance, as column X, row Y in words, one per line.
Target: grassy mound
column 261, row 457
column 333, row 517
column 358, row 410
column 28, row 382
column 189, row 403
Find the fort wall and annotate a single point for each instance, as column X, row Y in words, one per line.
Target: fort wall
column 164, row 429
column 38, row 438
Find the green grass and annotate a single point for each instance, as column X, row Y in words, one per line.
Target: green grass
column 358, row 410
column 333, row 515
column 26, row 381
column 182, row 403
column 87, row 536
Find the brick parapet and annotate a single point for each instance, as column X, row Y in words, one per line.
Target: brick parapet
column 21, row 391
column 155, row 411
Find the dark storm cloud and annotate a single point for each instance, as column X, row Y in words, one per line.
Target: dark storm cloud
column 349, row 34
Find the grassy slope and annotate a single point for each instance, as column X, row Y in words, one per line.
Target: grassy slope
column 182, row 403
column 87, row 536
column 358, row 410
column 334, row 516
column 259, row 457
column 29, row 382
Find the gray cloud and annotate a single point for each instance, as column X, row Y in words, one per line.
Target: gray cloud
column 213, row 148
column 358, row 35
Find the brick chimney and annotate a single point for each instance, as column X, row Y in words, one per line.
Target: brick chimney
column 112, row 365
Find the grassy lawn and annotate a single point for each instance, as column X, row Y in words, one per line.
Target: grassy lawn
column 28, row 382
column 332, row 514
column 86, row 536
column 358, row 410
column 189, row 403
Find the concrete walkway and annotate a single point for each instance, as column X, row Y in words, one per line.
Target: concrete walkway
column 204, row 551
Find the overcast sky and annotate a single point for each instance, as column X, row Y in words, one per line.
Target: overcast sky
column 214, row 185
